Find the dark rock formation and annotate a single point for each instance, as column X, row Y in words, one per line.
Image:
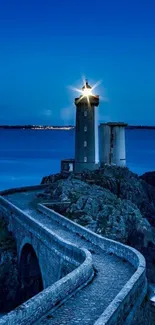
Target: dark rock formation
column 121, row 182
column 149, row 178
column 9, row 277
column 100, row 210
column 126, row 185
column 111, row 201
column 51, row 178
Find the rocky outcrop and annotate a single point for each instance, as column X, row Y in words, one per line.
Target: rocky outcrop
column 111, row 201
column 51, row 178
column 9, row 278
column 121, row 182
column 99, row 210
column 126, row 185
column 149, row 178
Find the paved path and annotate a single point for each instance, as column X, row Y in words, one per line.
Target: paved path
column 88, row 304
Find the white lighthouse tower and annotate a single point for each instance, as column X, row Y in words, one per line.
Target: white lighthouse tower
column 86, row 132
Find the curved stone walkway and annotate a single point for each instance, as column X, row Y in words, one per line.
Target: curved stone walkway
column 111, row 274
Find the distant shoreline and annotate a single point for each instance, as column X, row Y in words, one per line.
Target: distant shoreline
column 67, row 127
column 149, row 127
column 37, row 127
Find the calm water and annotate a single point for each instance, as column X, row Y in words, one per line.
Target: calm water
column 27, row 155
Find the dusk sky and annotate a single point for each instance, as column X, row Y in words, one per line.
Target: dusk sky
column 47, row 46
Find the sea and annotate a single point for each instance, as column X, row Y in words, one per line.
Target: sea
column 27, row 155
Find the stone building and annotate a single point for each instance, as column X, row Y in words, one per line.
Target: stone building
column 112, row 144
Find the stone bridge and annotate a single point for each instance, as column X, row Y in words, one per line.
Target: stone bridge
column 70, row 275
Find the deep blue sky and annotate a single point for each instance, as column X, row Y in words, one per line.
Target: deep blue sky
column 46, row 46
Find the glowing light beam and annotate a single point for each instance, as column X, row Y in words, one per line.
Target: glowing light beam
column 86, row 90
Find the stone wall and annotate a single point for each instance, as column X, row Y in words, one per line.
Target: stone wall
column 40, row 304
column 23, row 226
column 23, row 189
column 46, row 245
column 123, row 308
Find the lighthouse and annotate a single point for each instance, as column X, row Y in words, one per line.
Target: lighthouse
column 93, row 151
column 86, row 132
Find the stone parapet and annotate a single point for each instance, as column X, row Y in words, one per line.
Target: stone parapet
column 23, row 189
column 36, row 307
column 123, row 307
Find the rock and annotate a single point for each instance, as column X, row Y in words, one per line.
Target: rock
column 51, row 178
column 126, row 185
column 113, row 202
column 92, row 204
column 149, row 178
column 9, row 276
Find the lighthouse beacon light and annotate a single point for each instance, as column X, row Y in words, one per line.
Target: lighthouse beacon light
column 87, row 90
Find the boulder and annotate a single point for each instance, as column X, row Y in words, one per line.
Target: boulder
column 126, row 185
column 149, row 178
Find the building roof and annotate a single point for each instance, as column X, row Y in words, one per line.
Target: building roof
column 86, row 85
column 115, row 124
column 68, row 160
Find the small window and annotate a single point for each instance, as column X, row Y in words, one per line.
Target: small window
column 85, row 113
column 70, row 167
column 85, row 128
column 85, row 143
column 85, row 159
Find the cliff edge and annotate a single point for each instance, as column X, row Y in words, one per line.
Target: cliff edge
column 111, row 201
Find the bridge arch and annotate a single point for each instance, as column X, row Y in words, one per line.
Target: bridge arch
column 30, row 272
